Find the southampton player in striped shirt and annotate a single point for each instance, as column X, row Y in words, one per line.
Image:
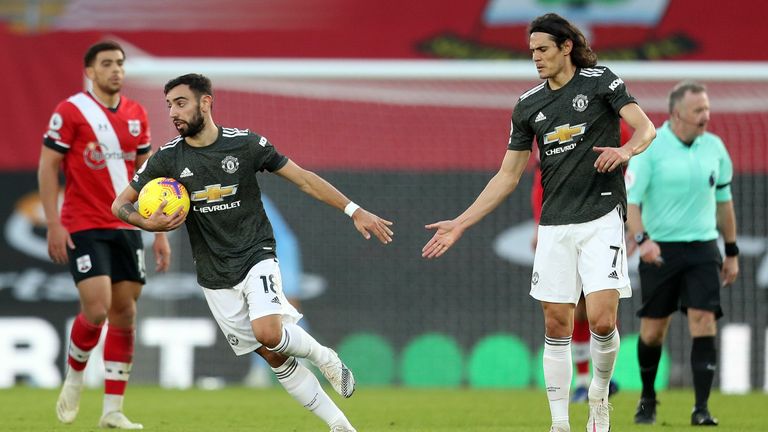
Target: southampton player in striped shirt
column 98, row 138
column 233, row 243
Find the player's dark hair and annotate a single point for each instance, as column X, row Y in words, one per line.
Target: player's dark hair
column 561, row 30
column 680, row 89
column 95, row 49
column 199, row 84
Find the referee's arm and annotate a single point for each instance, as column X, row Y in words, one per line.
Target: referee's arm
column 726, row 224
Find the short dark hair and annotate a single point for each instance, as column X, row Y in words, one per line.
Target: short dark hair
column 199, row 84
column 562, row 30
column 681, row 88
column 95, row 49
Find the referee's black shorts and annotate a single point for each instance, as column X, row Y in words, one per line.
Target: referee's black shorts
column 689, row 278
column 117, row 253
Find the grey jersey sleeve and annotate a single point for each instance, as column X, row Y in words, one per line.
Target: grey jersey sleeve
column 521, row 134
column 153, row 168
column 614, row 91
column 266, row 157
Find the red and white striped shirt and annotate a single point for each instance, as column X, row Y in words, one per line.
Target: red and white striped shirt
column 100, row 146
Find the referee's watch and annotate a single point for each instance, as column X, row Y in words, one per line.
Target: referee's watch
column 641, row 237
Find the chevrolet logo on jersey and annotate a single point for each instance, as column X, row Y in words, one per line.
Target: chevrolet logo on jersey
column 565, row 133
column 214, row 193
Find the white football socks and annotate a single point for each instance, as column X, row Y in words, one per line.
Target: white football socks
column 112, row 402
column 558, row 372
column 303, row 386
column 604, row 350
column 296, row 342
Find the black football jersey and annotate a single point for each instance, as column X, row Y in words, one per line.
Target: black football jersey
column 228, row 228
column 567, row 123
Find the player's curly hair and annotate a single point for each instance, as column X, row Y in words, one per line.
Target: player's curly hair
column 561, row 30
column 199, row 84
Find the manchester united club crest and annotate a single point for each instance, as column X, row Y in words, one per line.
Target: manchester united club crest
column 580, row 103
column 230, row 164
column 134, row 127
column 232, row 339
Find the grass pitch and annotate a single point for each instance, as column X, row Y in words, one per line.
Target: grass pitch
column 370, row 410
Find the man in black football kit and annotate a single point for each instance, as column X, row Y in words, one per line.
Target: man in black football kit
column 232, row 241
column 574, row 116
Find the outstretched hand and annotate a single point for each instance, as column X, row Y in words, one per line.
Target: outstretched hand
column 448, row 233
column 160, row 222
column 611, row 158
column 367, row 223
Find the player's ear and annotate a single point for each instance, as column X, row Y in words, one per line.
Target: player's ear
column 90, row 73
column 206, row 101
column 567, row 47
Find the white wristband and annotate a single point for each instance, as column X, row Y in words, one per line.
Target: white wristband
column 350, row 208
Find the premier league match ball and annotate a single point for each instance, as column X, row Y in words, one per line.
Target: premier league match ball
column 163, row 189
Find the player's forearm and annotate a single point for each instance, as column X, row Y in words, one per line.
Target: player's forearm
column 641, row 139
column 320, row 189
column 644, row 131
column 497, row 189
column 48, row 184
column 726, row 221
column 125, row 211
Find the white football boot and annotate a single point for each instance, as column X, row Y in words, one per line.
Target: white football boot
column 339, row 375
column 599, row 416
column 68, row 403
column 117, row 420
column 343, row 429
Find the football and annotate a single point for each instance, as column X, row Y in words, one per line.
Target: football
column 163, row 189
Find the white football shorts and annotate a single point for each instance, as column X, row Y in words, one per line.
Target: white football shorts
column 259, row 294
column 590, row 256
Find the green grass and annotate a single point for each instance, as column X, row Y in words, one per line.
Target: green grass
column 370, row 410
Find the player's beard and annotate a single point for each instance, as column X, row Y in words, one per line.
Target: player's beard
column 109, row 88
column 194, row 126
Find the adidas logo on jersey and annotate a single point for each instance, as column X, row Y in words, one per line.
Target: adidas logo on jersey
column 613, row 275
column 540, row 117
column 276, row 300
column 186, row 173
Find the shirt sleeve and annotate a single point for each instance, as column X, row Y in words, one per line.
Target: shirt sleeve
column 614, row 91
column 520, row 134
column 153, row 168
column 266, row 156
column 61, row 128
column 145, row 142
column 638, row 176
column 724, row 178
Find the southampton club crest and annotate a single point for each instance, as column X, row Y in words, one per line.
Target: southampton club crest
column 580, row 103
column 134, row 127
column 84, row 263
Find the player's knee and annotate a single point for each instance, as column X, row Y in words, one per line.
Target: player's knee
column 123, row 315
column 95, row 313
column 269, row 336
column 272, row 358
column 557, row 328
column 603, row 327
